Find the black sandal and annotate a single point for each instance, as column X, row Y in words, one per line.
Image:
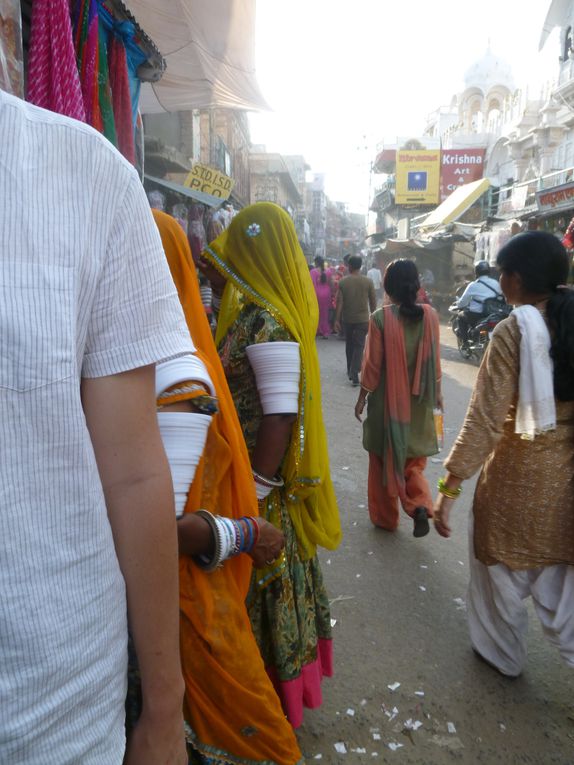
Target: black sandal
column 421, row 521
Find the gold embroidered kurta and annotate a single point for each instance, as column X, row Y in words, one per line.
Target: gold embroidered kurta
column 524, row 500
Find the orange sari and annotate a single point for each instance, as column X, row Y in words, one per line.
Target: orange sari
column 231, row 707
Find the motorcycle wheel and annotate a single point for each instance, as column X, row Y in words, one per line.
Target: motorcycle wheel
column 463, row 349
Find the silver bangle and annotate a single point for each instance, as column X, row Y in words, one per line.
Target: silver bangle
column 205, row 562
column 274, row 483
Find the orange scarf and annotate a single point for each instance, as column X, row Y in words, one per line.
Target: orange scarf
column 230, row 704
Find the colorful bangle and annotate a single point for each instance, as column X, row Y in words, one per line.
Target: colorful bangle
column 256, row 530
column 450, row 493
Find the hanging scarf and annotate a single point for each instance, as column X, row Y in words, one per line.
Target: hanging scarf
column 53, row 79
column 261, row 257
column 227, row 687
column 398, row 389
column 536, row 408
column 86, row 40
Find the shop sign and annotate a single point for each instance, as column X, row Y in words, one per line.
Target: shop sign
column 417, row 176
column 459, row 167
column 557, row 198
column 210, row 181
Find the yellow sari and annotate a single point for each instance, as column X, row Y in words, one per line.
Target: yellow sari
column 261, row 258
column 230, row 705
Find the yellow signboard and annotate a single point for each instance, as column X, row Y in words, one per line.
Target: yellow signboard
column 210, row 181
column 417, row 177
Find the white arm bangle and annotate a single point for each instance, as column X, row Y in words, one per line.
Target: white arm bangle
column 277, row 368
column 184, row 435
column 180, row 370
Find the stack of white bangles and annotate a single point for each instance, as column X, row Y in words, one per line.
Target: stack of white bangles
column 277, row 368
column 184, row 433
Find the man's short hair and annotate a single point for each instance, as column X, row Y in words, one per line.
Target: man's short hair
column 355, row 262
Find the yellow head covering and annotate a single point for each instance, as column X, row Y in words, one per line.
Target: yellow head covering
column 221, row 663
column 260, row 256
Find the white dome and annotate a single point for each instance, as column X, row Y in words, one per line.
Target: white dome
column 487, row 72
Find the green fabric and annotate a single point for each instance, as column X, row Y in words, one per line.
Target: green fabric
column 104, row 92
column 417, row 438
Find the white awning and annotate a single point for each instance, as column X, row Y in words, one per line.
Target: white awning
column 556, row 17
column 456, row 204
column 209, row 47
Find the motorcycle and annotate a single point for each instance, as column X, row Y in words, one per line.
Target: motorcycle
column 478, row 336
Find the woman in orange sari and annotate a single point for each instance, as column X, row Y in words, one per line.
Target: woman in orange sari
column 231, row 708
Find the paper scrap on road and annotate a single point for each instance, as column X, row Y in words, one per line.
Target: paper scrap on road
column 393, row 686
column 341, row 598
column 421, row 588
column 318, row 757
column 502, row 727
column 450, row 727
column 351, row 712
column 393, row 746
column 423, row 566
column 359, row 750
column 419, row 693
column 333, row 622
column 358, row 576
column 376, row 736
column 461, row 563
column 436, row 461
column 363, row 702
column 460, row 604
column 340, row 748
column 411, row 724
column 370, row 552
column 346, row 467
column 328, row 561
column 361, row 506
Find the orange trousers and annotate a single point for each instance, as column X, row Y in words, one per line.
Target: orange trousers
column 383, row 507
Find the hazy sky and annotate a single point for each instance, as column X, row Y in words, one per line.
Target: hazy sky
column 341, row 75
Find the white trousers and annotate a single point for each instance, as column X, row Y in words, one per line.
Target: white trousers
column 497, row 615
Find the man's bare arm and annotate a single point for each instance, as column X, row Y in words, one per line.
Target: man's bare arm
column 121, row 418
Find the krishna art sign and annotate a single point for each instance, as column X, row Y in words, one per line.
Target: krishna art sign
column 459, row 167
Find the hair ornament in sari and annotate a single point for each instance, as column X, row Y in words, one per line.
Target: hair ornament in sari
column 254, row 229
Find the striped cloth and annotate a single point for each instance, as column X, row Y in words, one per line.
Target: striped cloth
column 85, row 291
column 53, row 79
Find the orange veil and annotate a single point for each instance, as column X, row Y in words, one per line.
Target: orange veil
column 230, row 704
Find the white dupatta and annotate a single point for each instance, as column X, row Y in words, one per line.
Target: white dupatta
column 536, row 410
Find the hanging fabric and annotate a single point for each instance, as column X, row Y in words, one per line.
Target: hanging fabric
column 86, row 38
column 105, row 94
column 53, row 80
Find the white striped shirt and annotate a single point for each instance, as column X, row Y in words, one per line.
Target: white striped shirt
column 85, row 291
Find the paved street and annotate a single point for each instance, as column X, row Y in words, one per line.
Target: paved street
column 399, row 606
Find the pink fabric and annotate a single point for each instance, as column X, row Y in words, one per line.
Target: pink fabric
column 324, row 298
column 122, row 100
column 53, row 79
column 305, row 690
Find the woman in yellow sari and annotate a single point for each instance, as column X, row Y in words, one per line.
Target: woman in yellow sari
column 266, row 341
column 232, row 710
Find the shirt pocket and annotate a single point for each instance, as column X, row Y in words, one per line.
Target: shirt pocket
column 37, row 332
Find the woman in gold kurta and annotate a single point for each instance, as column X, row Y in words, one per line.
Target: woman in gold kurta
column 520, row 428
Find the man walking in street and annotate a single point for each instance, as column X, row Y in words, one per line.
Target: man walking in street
column 356, row 300
column 374, row 274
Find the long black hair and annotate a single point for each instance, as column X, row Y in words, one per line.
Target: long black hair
column 320, row 263
column 543, row 264
column 402, row 284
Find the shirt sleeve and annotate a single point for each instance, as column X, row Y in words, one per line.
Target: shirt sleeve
column 372, row 296
column 136, row 318
column 495, row 390
column 372, row 358
column 466, row 297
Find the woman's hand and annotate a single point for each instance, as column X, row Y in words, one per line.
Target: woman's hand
column 440, row 402
column 441, row 513
column 360, row 405
column 217, row 280
column 269, row 545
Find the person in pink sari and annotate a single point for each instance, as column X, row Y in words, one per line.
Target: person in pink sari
column 323, row 284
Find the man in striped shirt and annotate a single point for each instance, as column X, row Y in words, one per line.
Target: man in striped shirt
column 87, row 522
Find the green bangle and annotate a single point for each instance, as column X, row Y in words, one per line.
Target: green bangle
column 450, row 493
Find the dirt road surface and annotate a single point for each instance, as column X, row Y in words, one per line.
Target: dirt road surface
column 399, row 610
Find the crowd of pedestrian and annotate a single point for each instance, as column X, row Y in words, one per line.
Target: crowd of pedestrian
column 165, row 491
